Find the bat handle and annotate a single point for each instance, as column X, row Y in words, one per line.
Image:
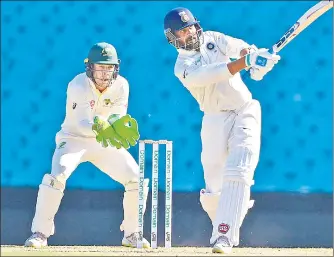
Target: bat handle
column 271, row 51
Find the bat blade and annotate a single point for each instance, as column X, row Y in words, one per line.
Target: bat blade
column 304, row 21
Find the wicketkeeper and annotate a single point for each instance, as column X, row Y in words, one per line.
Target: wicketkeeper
column 96, row 129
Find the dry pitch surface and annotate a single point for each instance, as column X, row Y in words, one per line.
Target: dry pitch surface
column 9, row 250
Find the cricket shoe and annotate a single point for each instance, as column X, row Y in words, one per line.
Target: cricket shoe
column 131, row 241
column 222, row 245
column 36, row 240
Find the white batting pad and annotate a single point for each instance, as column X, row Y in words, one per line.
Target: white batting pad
column 49, row 197
column 209, row 203
column 232, row 209
column 131, row 209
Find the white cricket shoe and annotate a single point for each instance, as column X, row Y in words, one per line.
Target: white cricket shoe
column 131, row 241
column 36, row 240
column 222, row 245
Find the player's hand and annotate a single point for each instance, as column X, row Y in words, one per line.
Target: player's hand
column 261, row 63
column 105, row 134
column 248, row 50
column 112, row 138
column 127, row 128
column 258, row 73
column 98, row 126
column 262, row 59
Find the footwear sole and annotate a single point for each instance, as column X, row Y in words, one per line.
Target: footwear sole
column 34, row 246
column 216, row 250
column 131, row 246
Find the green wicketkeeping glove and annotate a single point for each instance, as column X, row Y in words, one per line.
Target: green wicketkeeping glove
column 105, row 134
column 126, row 127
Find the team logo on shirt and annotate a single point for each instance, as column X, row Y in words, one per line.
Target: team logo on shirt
column 185, row 74
column 107, row 102
column 92, row 103
column 210, row 46
column 74, row 106
column 61, row 145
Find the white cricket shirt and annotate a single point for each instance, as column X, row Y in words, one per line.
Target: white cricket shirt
column 84, row 102
column 206, row 76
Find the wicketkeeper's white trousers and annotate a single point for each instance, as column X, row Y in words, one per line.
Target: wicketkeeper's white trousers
column 69, row 153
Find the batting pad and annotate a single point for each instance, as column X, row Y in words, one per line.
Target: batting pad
column 209, row 202
column 232, row 209
column 50, row 193
column 131, row 207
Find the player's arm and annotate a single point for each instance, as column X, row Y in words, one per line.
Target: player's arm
column 232, row 47
column 78, row 114
column 120, row 106
column 238, row 65
column 236, row 48
column 195, row 74
column 116, row 131
column 122, row 123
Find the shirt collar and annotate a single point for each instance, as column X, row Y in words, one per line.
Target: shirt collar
column 92, row 85
column 187, row 52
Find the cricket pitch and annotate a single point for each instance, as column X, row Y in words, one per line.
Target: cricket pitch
column 11, row 250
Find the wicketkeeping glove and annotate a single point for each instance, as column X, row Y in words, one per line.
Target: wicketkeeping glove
column 106, row 135
column 126, row 127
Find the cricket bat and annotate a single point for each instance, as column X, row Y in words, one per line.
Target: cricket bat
column 304, row 21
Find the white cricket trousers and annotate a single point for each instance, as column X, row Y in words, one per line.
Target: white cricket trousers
column 69, row 153
column 116, row 163
column 230, row 154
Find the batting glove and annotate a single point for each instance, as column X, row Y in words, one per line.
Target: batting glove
column 262, row 59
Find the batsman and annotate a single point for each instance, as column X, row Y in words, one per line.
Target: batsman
column 96, row 129
column 208, row 65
